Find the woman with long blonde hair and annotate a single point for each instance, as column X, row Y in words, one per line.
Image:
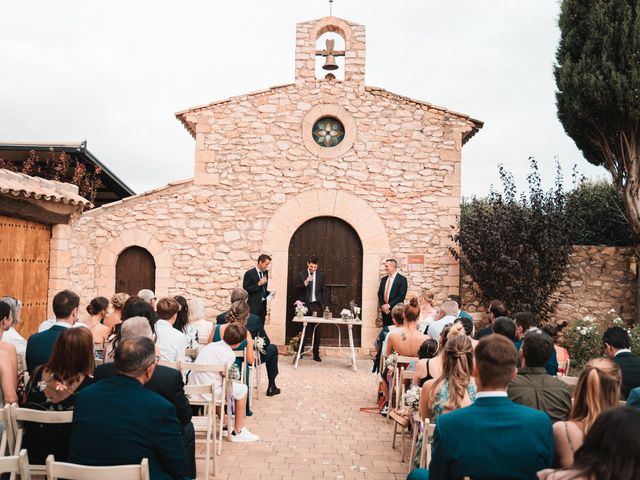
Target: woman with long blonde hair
column 598, row 388
column 454, row 388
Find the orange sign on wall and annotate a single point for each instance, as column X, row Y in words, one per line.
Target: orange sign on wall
column 415, row 263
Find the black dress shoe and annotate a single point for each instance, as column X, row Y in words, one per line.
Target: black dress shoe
column 271, row 391
column 317, row 359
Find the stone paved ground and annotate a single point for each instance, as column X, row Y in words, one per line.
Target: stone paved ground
column 315, row 429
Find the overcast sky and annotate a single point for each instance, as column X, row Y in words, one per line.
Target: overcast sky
column 114, row 73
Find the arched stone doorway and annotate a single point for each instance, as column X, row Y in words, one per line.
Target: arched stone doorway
column 339, row 250
column 135, row 270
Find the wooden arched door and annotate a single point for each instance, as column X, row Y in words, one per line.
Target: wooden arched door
column 135, row 270
column 339, row 251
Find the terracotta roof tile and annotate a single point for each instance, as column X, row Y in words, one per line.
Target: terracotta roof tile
column 25, row 186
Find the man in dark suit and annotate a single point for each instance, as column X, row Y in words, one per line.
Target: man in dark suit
column 256, row 328
column 496, row 309
column 255, row 283
column 310, row 285
column 39, row 345
column 617, row 346
column 166, row 382
column 393, row 290
column 494, row 437
column 139, row 424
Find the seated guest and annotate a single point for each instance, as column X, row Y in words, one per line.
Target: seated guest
column 166, row 382
column 114, row 317
column 533, row 387
column 434, row 365
column 8, row 360
column 54, row 387
column 407, row 341
column 221, row 353
column 617, row 347
column 118, row 422
column 256, row 329
column 598, row 388
column 39, row 346
column 496, row 309
column 182, row 322
column 11, row 335
column 97, row 309
column 397, row 317
column 525, row 321
column 427, row 350
column 493, row 437
column 469, row 329
column 454, row 388
column 133, row 307
column 171, row 342
column 448, row 315
column 198, row 319
column 461, row 313
column 610, row 450
column 428, row 312
column 562, row 354
column 148, row 296
column 506, row 327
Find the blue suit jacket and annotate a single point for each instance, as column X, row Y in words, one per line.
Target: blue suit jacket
column 39, row 347
column 118, row 422
column 492, row 438
column 634, row 398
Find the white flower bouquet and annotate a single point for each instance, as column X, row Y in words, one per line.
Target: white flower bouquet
column 391, row 361
column 411, row 398
column 301, row 309
column 233, row 374
column 259, row 344
column 346, row 314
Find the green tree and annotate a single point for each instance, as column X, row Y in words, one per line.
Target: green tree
column 516, row 247
column 598, row 99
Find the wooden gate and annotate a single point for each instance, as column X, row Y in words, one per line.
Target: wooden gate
column 339, row 252
column 135, row 270
column 24, row 269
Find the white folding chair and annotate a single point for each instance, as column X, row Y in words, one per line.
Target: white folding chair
column 219, row 403
column 205, row 425
column 20, row 415
column 71, row 471
column 398, row 419
column 8, row 440
column 571, row 381
column 170, row 364
column 191, row 352
column 16, row 464
column 425, row 453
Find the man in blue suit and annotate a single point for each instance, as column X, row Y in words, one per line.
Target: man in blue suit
column 494, row 437
column 139, row 423
column 39, row 346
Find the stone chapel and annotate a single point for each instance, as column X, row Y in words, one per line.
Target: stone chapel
column 325, row 166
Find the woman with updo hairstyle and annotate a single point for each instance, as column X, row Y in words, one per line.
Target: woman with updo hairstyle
column 97, row 309
column 114, row 317
column 598, row 388
column 239, row 314
column 407, row 342
column 427, row 311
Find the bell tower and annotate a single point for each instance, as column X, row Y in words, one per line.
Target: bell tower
column 307, row 50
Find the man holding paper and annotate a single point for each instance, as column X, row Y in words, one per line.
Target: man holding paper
column 310, row 285
column 255, row 283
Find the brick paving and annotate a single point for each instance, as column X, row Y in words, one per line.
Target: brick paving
column 315, row 429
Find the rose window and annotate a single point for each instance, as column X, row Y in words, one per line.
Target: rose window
column 328, row 132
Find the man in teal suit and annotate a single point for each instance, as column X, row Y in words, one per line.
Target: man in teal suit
column 39, row 346
column 494, row 437
column 118, row 422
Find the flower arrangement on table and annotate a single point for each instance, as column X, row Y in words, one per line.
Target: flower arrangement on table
column 356, row 312
column 346, row 315
column 301, row 309
column 259, row 344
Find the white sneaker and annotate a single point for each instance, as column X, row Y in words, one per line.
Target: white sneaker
column 245, row 436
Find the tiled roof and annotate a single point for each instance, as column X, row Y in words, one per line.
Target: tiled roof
column 25, row 186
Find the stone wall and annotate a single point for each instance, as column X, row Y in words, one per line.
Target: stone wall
column 597, row 280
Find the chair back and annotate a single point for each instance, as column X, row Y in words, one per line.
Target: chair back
column 243, row 355
column 170, row 364
column 7, row 441
column 72, row 471
column 99, row 353
column 16, row 464
column 571, row 381
column 19, row 415
column 191, row 352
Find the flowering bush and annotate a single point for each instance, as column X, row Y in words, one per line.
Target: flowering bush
column 583, row 337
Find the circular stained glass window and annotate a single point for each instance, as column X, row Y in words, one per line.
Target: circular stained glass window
column 328, row 132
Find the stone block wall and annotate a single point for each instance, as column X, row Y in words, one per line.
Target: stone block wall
column 597, row 280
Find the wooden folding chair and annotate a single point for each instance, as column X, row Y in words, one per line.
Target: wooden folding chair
column 8, row 440
column 256, row 370
column 16, row 464
column 571, row 381
column 221, row 403
column 170, row 364
column 243, row 372
column 394, row 384
column 398, row 419
column 425, row 453
column 205, row 425
column 191, row 352
column 19, row 415
column 70, row 471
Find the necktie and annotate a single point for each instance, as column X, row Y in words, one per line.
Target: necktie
column 386, row 290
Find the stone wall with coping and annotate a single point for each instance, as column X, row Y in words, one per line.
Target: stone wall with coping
column 598, row 279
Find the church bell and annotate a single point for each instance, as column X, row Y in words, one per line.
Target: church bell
column 330, row 63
